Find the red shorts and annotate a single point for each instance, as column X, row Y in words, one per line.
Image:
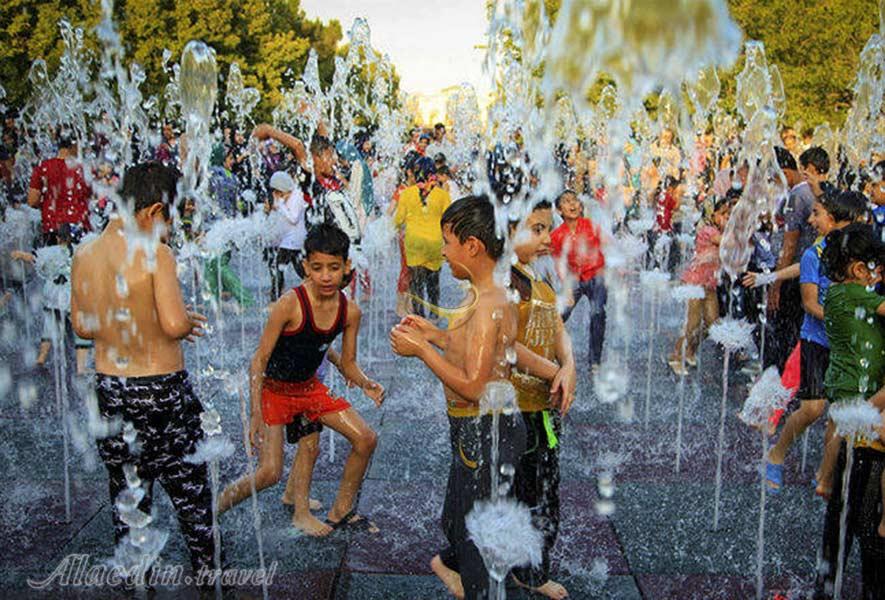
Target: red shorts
column 282, row 401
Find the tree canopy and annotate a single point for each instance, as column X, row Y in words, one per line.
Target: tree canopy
column 816, row 46
column 269, row 39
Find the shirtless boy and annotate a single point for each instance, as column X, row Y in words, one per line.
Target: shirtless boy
column 474, row 356
column 126, row 297
column 284, row 386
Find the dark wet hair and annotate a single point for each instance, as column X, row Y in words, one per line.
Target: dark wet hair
column 150, row 182
column 671, row 182
column 785, row 160
column 543, row 204
column 563, row 194
column 64, row 138
column 474, row 216
column 439, row 126
column 818, row 157
column 423, row 168
column 849, row 244
column 327, row 239
column 320, row 144
column 844, row 206
column 726, row 200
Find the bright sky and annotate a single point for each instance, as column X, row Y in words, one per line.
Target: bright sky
column 431, row 42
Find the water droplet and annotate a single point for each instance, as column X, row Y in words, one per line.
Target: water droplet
column 510, row 355
column 860, row 312
column 605, row 508
column 5, row 380
column 131, row 473
column 497, row 314
column 606, row 486
column 27, row 395
column 129, row 433
column 122, row 286
column 122, row 315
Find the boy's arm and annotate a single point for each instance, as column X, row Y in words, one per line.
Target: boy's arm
column 175, row 320
column 34, row 197
column 264, row 131
column 399, row 217
column 809, row 300
column 76, row 316
column 334, row 358
column 22, row 256
column 532, row 364
column 878, row 399
column 348, row 365
column 788, row 251
column 280, row 313
column 757, row 279
column 428, row 330
column 565, row 382
column 469, row 381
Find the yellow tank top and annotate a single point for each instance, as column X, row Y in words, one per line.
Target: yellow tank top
column 538, row 322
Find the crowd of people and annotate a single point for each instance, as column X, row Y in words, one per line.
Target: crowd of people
column 818, row 255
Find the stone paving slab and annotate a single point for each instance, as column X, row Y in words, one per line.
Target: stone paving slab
column 657, row 544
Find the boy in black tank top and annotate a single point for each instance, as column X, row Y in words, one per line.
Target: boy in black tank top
column 283, row 383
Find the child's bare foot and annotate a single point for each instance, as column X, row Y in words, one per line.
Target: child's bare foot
column 550, row 589
column 882, row 527
column 290, row 501
column 310, row 525
column 450, row 578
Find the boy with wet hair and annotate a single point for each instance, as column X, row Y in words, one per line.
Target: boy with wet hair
column 125, row 296
column 324, row 192
column 473, row 364
column 302, row 325
column 541, row 330
column 577, row 246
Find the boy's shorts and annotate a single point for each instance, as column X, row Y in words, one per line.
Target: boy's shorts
column 813, row 359
column 283, row 401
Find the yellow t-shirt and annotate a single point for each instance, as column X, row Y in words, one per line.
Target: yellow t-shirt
column 423, row 236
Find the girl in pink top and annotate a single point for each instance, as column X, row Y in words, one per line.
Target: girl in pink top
column 703, row 271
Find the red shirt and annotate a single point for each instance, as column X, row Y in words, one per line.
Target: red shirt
column 64, row 194
column 665, row 208
column 585, row 259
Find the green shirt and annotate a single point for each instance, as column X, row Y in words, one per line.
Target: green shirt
column 857, row 344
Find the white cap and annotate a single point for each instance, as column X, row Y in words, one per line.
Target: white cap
column 282, row 182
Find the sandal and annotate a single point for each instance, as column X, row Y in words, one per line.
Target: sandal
column 355, row 521
column 774, row 474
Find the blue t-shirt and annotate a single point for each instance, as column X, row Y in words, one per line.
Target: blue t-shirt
column 810, row 271
column 878, row 219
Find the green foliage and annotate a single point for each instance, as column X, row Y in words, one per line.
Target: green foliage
column 816, row 45
column 270, row 39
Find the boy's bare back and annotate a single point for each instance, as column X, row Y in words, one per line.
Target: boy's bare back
column 133, row 314
column 491, row 321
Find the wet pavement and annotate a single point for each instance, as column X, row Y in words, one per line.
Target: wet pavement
column 658, row 543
